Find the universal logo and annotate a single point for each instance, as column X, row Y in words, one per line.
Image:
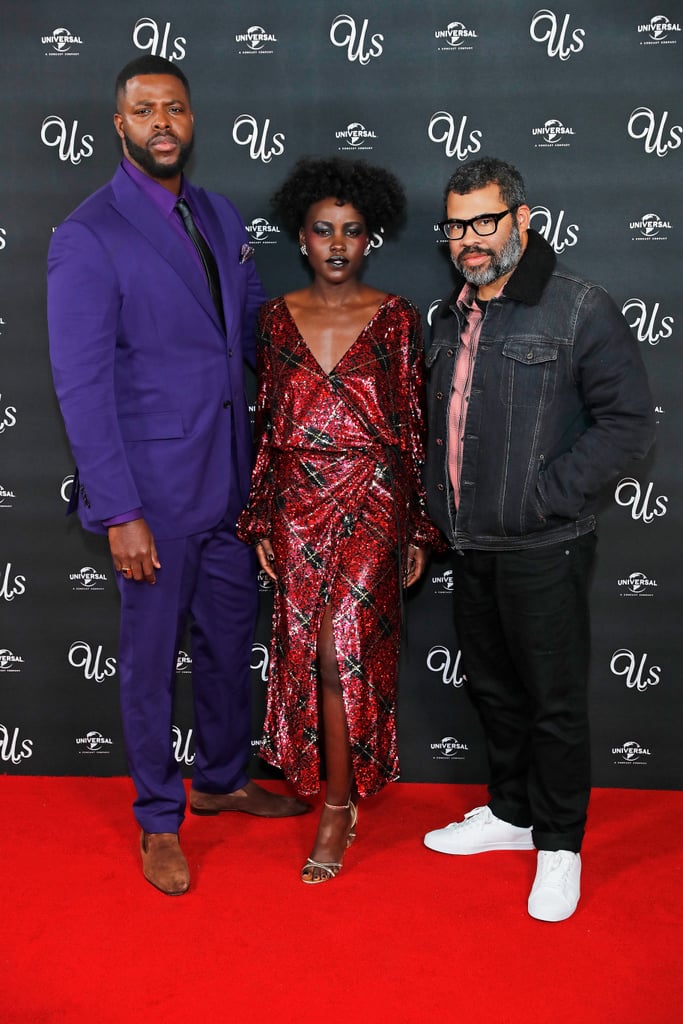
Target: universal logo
column 12, row 747
column 647, row 322
column 631, row 753
column 257, row 40
column 6, row 497
column 183, row 663
column 637, row 675
column 94, row 743
column 88, row 579
column 455, row 137
column 659, row 29
column 359, row 45
column 443, row 584
column 650, row 227
column 637, row 585
column 62, row 42
column 10, row 662
column 554, row 134
column 148, row 35
column 263, row 144
column 443, row 664
column 262, row 232
column 560, row 40
column 356, row 136
column 456, row 35
column 645, row 507
column 554, row 231
column 449, row 749
column 265, row 583
column 658, row 137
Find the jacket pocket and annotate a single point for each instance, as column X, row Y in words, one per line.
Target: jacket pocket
column 529, row 371
column 151, row 426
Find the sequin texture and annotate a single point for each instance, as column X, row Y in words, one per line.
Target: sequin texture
column 336, row 483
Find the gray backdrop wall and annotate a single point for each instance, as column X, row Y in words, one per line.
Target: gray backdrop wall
column 584, row 96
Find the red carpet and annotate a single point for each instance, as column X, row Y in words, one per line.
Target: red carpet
column 402, row 936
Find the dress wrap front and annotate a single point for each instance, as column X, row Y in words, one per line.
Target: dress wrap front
column 337, row 488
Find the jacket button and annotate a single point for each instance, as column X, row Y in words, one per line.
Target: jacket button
column 530, row 355
column 439, row 395
column 440, row 487
column 226, row 405
column 439, row 441
column 450, row 352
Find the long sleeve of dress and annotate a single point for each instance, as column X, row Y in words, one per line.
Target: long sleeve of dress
column 255, row 521
column 422, row 531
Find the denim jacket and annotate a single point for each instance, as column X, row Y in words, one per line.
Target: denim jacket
column 559, row 405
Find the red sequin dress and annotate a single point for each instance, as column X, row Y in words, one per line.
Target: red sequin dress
column 337, row 488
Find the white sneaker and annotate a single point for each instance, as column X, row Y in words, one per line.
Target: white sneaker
column 480, row 832
column 556, row 889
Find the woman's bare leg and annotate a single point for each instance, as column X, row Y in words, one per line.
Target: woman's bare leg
column 336, row 817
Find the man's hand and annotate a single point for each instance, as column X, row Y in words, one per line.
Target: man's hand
column 134, row 551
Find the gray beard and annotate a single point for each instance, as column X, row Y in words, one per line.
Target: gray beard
column 501, row 263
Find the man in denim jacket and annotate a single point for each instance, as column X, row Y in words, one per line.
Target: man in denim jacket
column 538, row 397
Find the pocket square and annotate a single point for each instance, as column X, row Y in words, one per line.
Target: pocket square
column 246, row 252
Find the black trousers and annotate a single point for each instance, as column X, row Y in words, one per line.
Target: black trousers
column 523, row 625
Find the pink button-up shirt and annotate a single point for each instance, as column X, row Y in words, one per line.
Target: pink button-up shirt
column 462, row 383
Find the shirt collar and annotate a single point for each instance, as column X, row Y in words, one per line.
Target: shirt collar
column 164, row 200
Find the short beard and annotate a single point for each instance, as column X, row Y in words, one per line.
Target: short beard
column 146, row 159
column 501, row 263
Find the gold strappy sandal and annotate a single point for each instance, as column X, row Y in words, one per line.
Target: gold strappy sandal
column 327, row 870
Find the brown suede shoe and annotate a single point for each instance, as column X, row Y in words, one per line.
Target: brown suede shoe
column 252, row 799
column 163, row 862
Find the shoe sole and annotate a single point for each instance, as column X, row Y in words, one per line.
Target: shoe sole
column 489, row 848
column 550, row 918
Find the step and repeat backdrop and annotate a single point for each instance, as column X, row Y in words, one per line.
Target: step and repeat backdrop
column 584, row 96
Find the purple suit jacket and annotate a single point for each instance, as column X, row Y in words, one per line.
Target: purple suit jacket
column 150, row 387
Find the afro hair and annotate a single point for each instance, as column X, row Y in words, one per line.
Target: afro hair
column 374, row 192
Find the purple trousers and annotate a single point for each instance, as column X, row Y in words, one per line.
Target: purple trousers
column 210, row 579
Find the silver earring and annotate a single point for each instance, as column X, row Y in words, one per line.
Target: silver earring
column 368, row 247
column 304, row 250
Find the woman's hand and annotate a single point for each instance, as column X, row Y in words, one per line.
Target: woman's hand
column 264, row 553
column 416, row 564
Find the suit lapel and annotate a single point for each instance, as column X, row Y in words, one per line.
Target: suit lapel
column 142, row 215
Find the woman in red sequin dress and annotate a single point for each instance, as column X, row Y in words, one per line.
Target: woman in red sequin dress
column 337, row 509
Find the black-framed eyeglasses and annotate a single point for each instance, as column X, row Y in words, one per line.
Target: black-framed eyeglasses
column 484, row 224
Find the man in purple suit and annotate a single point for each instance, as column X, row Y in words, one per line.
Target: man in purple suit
column 152, row 299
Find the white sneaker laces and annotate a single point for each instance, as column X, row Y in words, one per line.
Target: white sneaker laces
column 555, row 867
column 476, row 818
